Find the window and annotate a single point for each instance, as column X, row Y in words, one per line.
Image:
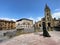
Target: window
column 18, row 23
column 39, row 25
column 48, row 18
column 49, row 25
column 24, row 23
column 47, row 14
column 28, row 23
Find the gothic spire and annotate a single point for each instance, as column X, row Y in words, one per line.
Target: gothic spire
column 46, row 7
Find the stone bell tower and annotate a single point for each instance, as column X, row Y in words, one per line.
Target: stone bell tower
column 48, row 18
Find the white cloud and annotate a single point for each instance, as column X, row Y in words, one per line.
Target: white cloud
column 9, row 19
column 38, row 18
column 32, row 19
column 57, row 9
column 35, row 19
column 56, row 15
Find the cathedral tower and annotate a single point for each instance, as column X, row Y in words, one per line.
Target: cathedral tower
column 48, row 17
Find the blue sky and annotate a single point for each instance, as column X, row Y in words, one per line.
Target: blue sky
column 32, row 9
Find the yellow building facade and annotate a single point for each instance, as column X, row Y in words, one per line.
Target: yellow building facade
column 7, row 25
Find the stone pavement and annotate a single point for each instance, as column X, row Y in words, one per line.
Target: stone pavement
column 35, row 39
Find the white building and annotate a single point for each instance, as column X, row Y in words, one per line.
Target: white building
column 24, row 23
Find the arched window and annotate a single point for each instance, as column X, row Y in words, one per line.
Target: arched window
column 48, row 18
column 47, row 14
column 28, row 23
column 39, row 25
column 24, row 23
column 18, row 23
column 49, row 25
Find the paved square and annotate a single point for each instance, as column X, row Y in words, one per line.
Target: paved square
column 35, row 39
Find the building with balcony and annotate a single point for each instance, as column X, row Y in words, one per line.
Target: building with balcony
column 24, row 23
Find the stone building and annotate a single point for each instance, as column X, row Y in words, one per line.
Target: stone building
column 56, row 22
column 7, row 25
column 37, row 26
column 47, row 19
column 24, row 23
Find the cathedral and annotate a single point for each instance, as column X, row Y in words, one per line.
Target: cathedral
column 50, row 22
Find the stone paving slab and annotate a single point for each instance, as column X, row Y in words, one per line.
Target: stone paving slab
column 34, row 39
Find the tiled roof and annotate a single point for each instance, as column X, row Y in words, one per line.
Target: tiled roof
column 7, row 20
column 24, row 19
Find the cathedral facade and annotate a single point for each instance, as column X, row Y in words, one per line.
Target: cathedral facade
column 47, row 19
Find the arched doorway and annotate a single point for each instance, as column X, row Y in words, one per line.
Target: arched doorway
column 49, row 27
column 0, row 28
column 49, row 24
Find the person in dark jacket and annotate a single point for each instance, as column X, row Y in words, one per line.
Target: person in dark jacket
column 45, row 32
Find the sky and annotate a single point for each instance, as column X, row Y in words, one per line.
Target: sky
column 32, row 9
